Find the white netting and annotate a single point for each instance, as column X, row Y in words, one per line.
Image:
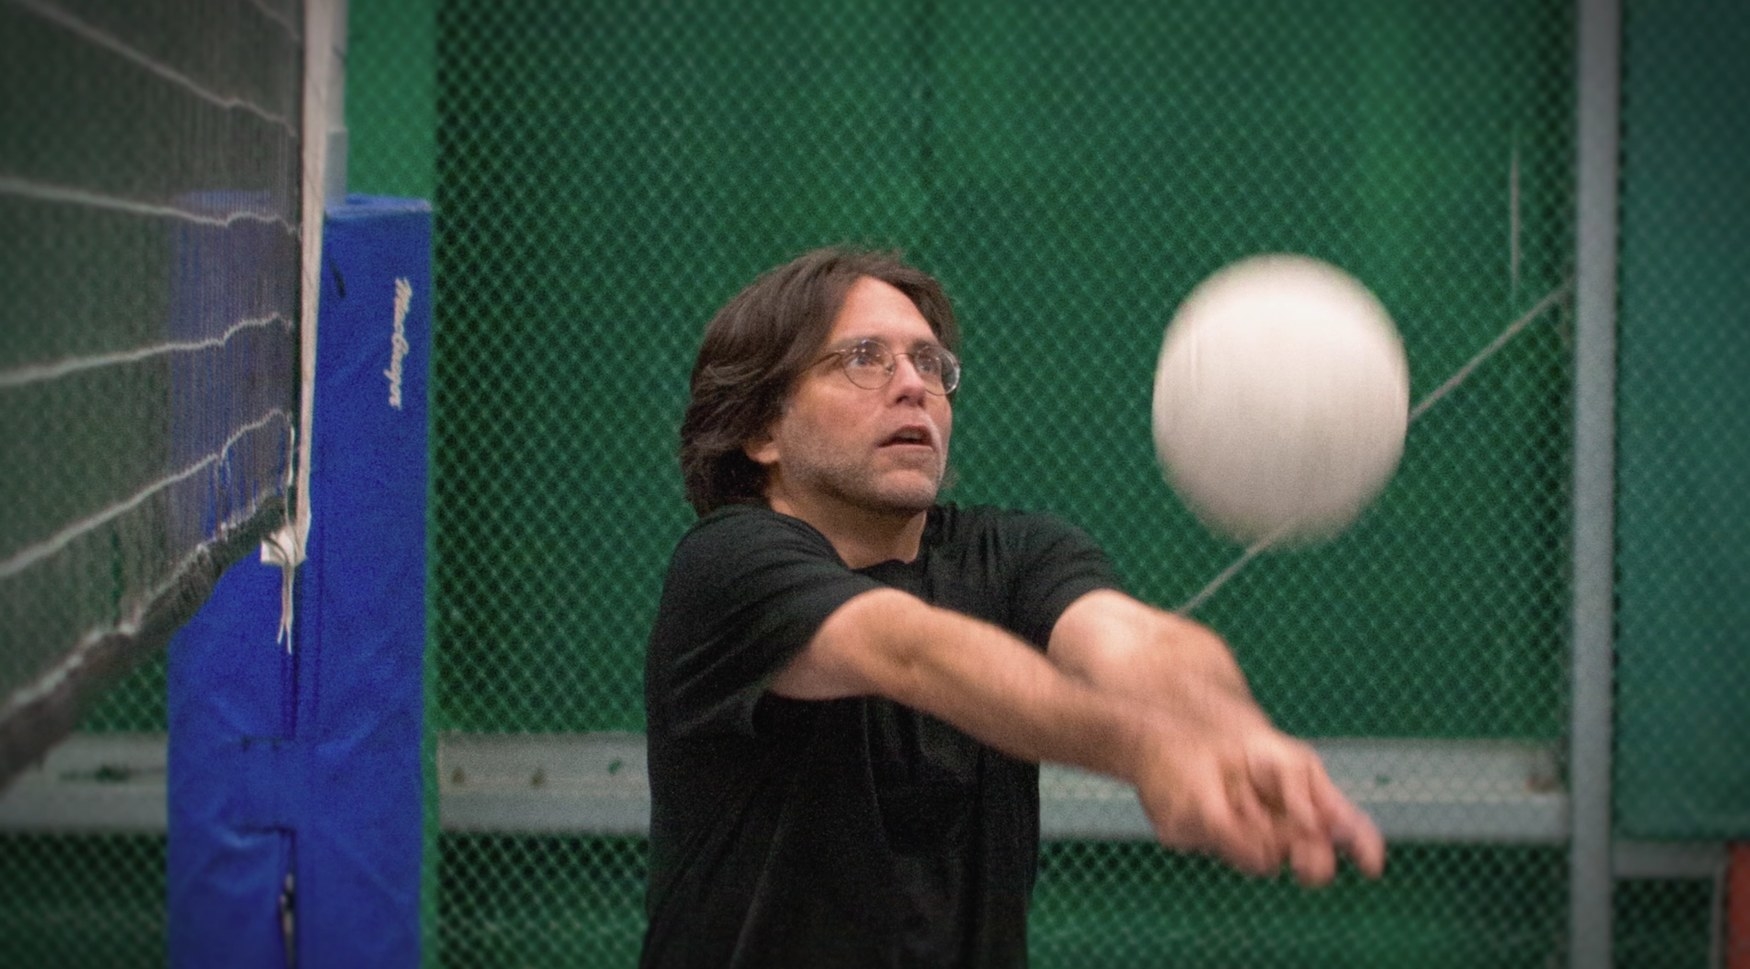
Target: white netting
column 149, row 256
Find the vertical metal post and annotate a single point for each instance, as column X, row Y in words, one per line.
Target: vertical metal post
column 334, row 178
column 1590, row 882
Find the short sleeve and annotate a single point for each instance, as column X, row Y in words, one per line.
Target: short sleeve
column 746, row 591
column 1057, row 563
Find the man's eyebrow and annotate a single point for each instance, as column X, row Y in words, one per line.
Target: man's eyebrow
column 852, row 341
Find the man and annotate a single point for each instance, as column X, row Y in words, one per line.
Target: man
column 849, row 685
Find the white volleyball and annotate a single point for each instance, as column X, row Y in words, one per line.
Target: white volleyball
column 1281, row 399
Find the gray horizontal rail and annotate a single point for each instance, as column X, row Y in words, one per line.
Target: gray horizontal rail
column 108, row 783
column 543, row 783
column 1419, row 791
column 1416, row 791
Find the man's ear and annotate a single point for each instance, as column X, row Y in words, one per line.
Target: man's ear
column 761, row 450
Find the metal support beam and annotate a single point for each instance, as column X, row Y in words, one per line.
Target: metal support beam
column 1599, row 44
column 1418, row 790
column 1427, row 791
column 93, row 784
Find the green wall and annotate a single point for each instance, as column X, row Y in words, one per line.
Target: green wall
column 1683, row 553
column 606, row 179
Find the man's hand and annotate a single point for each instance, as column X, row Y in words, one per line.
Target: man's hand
column 1214, row 775
column 1253, row 797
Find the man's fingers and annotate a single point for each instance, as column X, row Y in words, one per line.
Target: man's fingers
column 1221, row 817
column 1240, row 835
column 1314, row 860
column 1260, row 807
column 1284, row 778
column 1316, row 819
column 1310, row 851
column 1362, row 842
column 1351, row 829
column 1256, row 826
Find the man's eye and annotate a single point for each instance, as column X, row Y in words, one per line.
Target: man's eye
column 928, row 363
column 864, row 357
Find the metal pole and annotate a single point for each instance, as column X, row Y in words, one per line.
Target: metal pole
column 1590, row 882
column 334, row 178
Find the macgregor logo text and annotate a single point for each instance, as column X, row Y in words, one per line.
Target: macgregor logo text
column 398, row 340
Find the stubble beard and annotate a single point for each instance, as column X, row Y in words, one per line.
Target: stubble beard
column 871, row 487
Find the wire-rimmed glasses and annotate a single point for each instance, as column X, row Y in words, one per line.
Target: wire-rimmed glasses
column 870, row 365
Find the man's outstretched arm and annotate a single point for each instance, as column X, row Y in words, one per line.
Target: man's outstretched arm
column 1196, row 783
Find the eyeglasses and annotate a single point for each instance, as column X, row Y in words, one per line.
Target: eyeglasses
column 870, row 365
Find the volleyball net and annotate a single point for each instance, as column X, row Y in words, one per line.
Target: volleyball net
column 151, row 236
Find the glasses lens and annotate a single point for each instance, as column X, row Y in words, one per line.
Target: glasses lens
column 868, row 364
column 939, row 369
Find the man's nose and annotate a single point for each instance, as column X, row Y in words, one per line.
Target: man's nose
column 908, row 380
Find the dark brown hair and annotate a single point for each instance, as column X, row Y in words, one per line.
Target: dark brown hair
column 756, row 347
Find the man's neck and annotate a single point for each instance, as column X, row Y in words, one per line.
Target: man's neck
column 861, row 537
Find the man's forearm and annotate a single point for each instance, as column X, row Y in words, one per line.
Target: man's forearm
column 1191, row 672
column 1124, row 646
column 994, row 686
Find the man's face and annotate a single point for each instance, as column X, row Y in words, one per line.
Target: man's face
column 838, row 447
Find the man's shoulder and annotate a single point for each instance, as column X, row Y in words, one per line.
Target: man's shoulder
column 747, row 517
column 748, row 526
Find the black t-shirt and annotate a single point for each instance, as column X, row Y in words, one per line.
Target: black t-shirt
column 843, row 833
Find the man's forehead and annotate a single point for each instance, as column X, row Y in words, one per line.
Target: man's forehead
column 875, row 310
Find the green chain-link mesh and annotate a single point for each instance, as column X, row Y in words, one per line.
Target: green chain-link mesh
column 606, row 179
column 1682, row 765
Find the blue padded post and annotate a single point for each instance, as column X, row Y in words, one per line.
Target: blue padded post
column 308, row 764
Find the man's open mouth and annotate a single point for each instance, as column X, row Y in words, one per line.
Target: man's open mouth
column 909, row 436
